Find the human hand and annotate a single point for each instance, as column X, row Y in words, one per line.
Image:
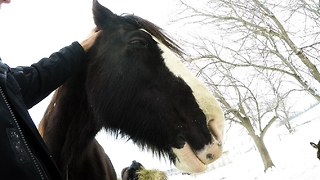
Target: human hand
column 89, row 41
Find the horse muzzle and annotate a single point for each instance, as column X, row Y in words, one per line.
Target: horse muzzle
column 196, row 161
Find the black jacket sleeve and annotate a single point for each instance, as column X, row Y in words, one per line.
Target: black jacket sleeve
column 40, row 79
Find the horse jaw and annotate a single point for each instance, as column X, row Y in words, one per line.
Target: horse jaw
column 187, row 159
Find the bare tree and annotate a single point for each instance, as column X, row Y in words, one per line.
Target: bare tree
column 284, row 117
column 278, row 36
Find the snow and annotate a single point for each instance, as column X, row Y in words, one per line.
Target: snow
column 292, row 155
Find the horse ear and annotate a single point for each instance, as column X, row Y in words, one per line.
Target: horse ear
column 314, row 145
column 101, row 15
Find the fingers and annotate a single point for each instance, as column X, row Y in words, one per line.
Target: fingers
column 89, row 41
column 96, row 29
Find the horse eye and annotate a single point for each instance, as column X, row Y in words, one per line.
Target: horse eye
column 137, row 43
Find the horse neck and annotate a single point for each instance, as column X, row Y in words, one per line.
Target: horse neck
column 69, row 123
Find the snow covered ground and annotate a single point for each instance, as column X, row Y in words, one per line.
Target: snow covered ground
column 292, row 155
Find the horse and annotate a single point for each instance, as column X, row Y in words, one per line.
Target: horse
column 316, row 146
column 133, row 84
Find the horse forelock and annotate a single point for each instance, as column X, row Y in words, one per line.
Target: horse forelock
column 155, row 31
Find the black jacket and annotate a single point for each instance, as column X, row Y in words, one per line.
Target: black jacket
column 23, row 154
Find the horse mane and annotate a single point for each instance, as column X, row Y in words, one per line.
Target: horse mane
column 156, row 31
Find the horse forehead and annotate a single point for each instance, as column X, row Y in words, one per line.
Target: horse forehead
column 206, row 101
column 171, row 60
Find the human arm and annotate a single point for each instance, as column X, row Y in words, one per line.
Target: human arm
column 40, row 79
column 43, row 77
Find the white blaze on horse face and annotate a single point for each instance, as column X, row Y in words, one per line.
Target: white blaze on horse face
column 188, row 160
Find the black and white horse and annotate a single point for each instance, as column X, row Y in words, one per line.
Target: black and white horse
column 134, row 85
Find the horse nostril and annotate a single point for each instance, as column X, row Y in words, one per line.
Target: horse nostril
column 209, row 156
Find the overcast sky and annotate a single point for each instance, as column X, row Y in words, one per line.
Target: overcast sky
column 31, row 30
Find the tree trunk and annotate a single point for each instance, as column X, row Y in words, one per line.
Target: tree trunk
column 289, row 127
column 258, row 140
column 264, row 154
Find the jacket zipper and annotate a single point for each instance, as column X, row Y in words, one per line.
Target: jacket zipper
column 22, row 136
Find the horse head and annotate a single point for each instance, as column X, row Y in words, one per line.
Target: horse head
column 138, row 87
column 316, row 146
